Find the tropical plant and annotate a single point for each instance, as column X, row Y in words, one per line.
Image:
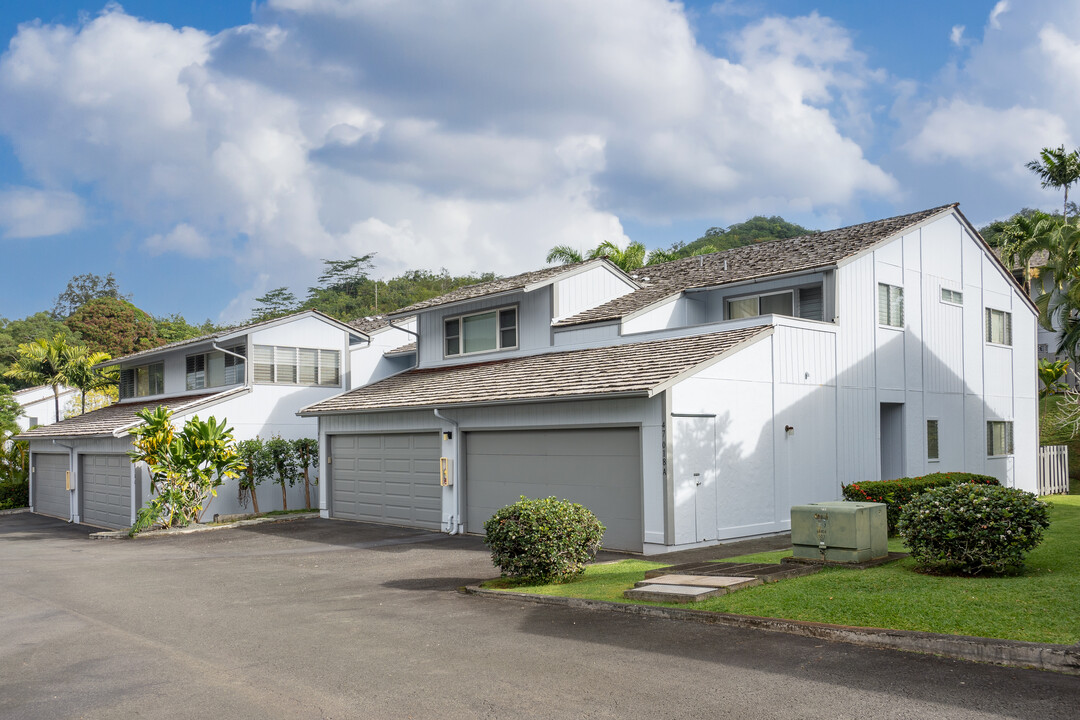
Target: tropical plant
column 93, row 400
column 258, row 468
column 1022, row 237
column 186, row 467
column 1059, row 306
column 80, row 372
column 1050, row 373
column 42, row 362
column 10, row 410
column 1057, row 169
column 14, row 472
column 285, row 466
column 307, row 455
column 629, row 258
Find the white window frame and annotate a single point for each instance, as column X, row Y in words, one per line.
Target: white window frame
column 1010, row 447
column 794, row 309
column 937, row 439
column 889, row 323
column 288, row 356
column 227, row 353
column 499, row 347
column 952, row 297
column 135, row 381
column 1006, row 327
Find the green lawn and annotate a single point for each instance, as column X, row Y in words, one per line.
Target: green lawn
column 1040, row 605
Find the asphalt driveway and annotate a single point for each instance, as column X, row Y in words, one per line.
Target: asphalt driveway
column 317, row 618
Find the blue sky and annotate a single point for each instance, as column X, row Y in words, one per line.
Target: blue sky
column 207, row 152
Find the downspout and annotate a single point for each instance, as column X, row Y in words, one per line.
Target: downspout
column 417, row 362
column 71, row 472
column 455, row 519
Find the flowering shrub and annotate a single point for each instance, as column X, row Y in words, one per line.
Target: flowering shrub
column 544, row 539
column 970, row 528
column 897, row 493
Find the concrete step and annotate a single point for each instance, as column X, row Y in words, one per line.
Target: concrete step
column 671, row 593
column 708, row 581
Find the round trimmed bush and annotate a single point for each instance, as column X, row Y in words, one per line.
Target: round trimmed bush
column 544, row 539
column 972, row 529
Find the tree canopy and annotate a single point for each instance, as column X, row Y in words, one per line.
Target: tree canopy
column 115, row 327
column 81, row 289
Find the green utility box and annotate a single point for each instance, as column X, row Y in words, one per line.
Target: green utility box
column 847, row 532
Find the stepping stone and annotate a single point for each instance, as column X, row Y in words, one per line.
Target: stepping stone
column 709, row 581
column 671, row 593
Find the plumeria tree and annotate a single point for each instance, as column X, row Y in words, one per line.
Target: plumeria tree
column 258, row 468
column 307, row 455
column 286, row 467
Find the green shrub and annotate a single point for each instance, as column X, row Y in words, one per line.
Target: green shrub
column 543, row 540
column 897, row 493
column 970, row 528
column 14, row 494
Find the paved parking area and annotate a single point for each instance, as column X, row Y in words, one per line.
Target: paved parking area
column 329, row 619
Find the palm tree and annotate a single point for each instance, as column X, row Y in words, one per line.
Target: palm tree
column 1059, row 308
column 1023, row 237
column 564, row 255
column 1058, row 169
column 42, row 362
column 629, row 258
column 79, row 371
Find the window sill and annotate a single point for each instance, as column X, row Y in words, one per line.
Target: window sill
column 479, row 352
column 898, row 328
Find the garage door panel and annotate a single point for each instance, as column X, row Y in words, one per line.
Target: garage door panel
column 599, row 468
column 105, row 490
column 387, row 478
column 51, row 496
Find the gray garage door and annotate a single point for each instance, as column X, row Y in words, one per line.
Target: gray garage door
column 105, row 489
column 599, row 468
column 51, row 496
column 390, row 478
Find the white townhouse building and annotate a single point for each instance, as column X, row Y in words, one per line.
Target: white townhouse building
column 698, row 400
column 254, row 376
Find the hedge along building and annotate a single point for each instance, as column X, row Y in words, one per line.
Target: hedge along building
column 696, row 401
column 254, row 376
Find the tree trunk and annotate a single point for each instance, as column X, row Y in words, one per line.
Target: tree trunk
column 254, row 499
column 56, row 401
column 83, row 403
column 284, row 500
column 307, row 489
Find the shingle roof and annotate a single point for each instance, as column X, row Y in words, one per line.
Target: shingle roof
column 403, row 350
column 108, row 420
column 775, row 257
column 369, row 324
column 494, row 287
column 633, row 368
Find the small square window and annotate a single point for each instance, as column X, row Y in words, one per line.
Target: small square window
column 999, row 437
column 890, row 305
column 952, row 296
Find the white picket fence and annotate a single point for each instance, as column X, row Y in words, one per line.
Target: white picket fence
column 1053, row 469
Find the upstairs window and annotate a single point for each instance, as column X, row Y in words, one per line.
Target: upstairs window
column 278, row 365
column 142, row 381
column 480, row 332
column 952, row 296
column 998, row 327
column 215, row 368
column 890, row 305
column 781, row 303
column 999, row 437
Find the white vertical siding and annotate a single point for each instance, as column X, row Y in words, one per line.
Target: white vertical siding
column 588, row 289
column 678, row 312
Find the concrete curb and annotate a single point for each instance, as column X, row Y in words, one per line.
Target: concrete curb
column 14, row 511
column 1012, row 653
column 123, row 534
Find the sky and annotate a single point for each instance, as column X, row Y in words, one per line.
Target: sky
column 207, row 152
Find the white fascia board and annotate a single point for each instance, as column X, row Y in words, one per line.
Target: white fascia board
column 895, row 236
column 489, row 403
column 690, row 372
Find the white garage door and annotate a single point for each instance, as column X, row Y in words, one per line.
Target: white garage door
column 51, row 496
column 599, row 468
column 391, row 478
column 105, row 490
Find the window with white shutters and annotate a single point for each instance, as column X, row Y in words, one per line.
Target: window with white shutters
column 280, row 365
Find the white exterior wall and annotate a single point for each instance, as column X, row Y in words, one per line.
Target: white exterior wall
column 40, row 404
column 938, row 365
column 678, row 312
column 628, row 412
column 761, row 469
column 601, row 334
column 587, row 290
column 367, row 362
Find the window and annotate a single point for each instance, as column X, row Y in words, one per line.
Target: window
column 216, row 368
column 1044, row 348
column 952, row 296
column 781, row 303
column 480, row 332
column 932, row 440
column 890, row 305
column 998, row 327
column 999, row 437
column 277, row 365
column 142, row 381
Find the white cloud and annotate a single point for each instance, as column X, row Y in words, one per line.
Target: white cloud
column 956, row 35
column 472, row 136
column 29, row 212
column 1000, row 8
column 182, row 240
